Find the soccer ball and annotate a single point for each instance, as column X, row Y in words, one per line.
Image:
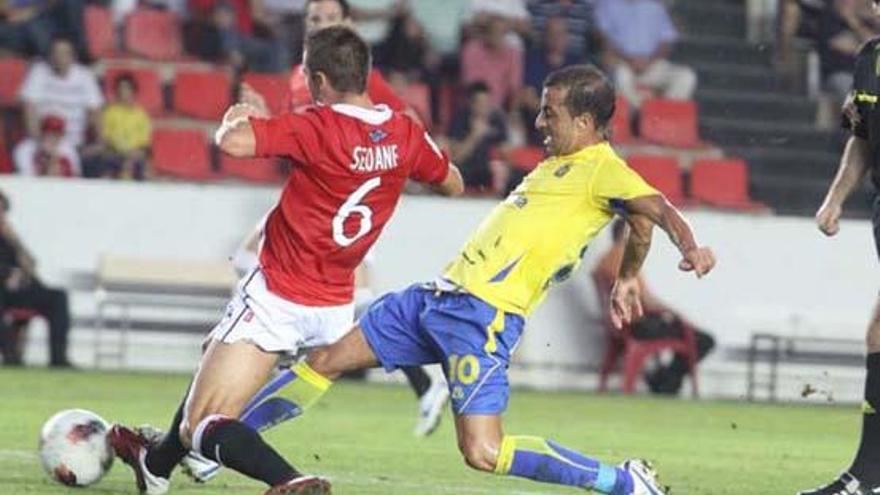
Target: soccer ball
column 74, row 447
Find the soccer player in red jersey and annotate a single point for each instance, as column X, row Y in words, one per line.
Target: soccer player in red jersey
column 351, row 161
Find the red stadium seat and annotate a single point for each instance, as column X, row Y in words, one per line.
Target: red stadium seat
column 621, row 124
column 723, row 183
column 418, row 96
column 662, row 172
column 201, row 94
column 254, row 170
column 182, row 153
column 273, row 88
column 6, row 166
column 670, row 123
column 14, row 71
column 100, row 33
column 153, row 34
column 149, row 87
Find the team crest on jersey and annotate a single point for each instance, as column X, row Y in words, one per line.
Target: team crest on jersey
column 377, row 135
column 561, row 171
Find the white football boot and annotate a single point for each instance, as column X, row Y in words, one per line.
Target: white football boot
column 644, row 478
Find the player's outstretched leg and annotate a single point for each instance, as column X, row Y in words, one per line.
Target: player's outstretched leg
column 433, row 395
column 486, row 448
column 863, row 477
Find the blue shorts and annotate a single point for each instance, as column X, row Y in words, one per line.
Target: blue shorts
column 470, row 338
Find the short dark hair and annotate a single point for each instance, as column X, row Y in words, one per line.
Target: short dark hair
column 342, row 55
column 125, row 77
column 476, row 88
column 589, row 91
column 343, row 4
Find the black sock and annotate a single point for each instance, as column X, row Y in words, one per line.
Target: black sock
column 866, row 466
column 418, row 379
column 237, row 446
column 162, row 458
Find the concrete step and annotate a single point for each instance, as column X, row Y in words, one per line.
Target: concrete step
column 778, row 107
column 788, row 161
column 697, row 50
column 718, row 18
column 772, row 134
column 737, row 77
column 789, row 195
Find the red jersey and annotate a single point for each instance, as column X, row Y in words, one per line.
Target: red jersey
column 350, row 167
column 378, row 90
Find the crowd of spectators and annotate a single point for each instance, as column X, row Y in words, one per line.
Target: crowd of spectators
column 837, row 28
column 490, row 55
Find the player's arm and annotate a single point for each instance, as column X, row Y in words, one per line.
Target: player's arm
column 852, row 170
column 236, row 136
column 452, row 185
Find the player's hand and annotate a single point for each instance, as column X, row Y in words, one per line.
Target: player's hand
column 251, row 96
column 626, row 302
column 699, row 260
column 241, row 110
column 828, row 218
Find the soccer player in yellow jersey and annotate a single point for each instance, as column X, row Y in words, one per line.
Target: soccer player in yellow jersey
column 471, row 318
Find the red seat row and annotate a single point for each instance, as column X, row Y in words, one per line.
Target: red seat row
column 149, row 33
column 722, row 183
column 670, row 123
column 185, row 154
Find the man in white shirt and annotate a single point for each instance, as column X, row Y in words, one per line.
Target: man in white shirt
column 64, row 88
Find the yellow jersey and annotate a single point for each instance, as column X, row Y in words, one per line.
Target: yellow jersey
column 126, row 128
column 538, row 235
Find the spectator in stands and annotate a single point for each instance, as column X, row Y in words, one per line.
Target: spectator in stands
column 284, row 19
column 64, row 88
column 443, row 22
column 488, row 58
column 579, row 16
column 241, row 48
column 473, row 133
column 513, row 12
column 845, row 26
column 127, row 132
column 21, row 288
column 406, row 50
column 637, row 40
column 26, row 27
column 541, row 59
column 48, row 155
column 658, row 322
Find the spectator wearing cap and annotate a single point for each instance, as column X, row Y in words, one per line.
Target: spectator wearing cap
column 64, row 88
column 127, row 131
column 50, row 154
column 488, row 58
column 638, row 36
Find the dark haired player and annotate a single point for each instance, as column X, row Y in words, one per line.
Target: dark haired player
column 861, row 155
column 470, row 320
column 351, row 161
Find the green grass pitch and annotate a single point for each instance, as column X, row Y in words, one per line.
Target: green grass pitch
column 360, row 436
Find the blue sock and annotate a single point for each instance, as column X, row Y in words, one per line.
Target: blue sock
column 542, row 460
column 266, row 409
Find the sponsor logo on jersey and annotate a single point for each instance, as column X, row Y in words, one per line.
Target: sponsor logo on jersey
column 374, row 158
column 561, row 171
column 377, row 135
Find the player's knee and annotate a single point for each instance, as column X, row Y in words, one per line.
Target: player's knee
column 481, row 455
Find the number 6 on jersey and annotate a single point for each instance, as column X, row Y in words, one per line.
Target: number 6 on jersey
column 353, row 206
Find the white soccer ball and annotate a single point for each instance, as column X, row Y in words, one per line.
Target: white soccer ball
column 74, row 447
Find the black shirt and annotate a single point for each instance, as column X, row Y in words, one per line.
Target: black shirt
column 863, row 117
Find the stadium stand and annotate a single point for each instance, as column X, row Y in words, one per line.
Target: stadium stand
column 153, row 34
column 273, row 87
column 621, row 123
column 722, row 183
column 670, row 123
column 663, row 173
column 201, row 94
column 252, row 170
column 100, row 33
column 182, row 153
column 149, row 93
column 14, row 71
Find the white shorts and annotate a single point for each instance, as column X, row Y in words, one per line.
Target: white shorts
column 275, row 324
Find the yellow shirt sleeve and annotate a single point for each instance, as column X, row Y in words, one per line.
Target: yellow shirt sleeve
column 616, row 182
